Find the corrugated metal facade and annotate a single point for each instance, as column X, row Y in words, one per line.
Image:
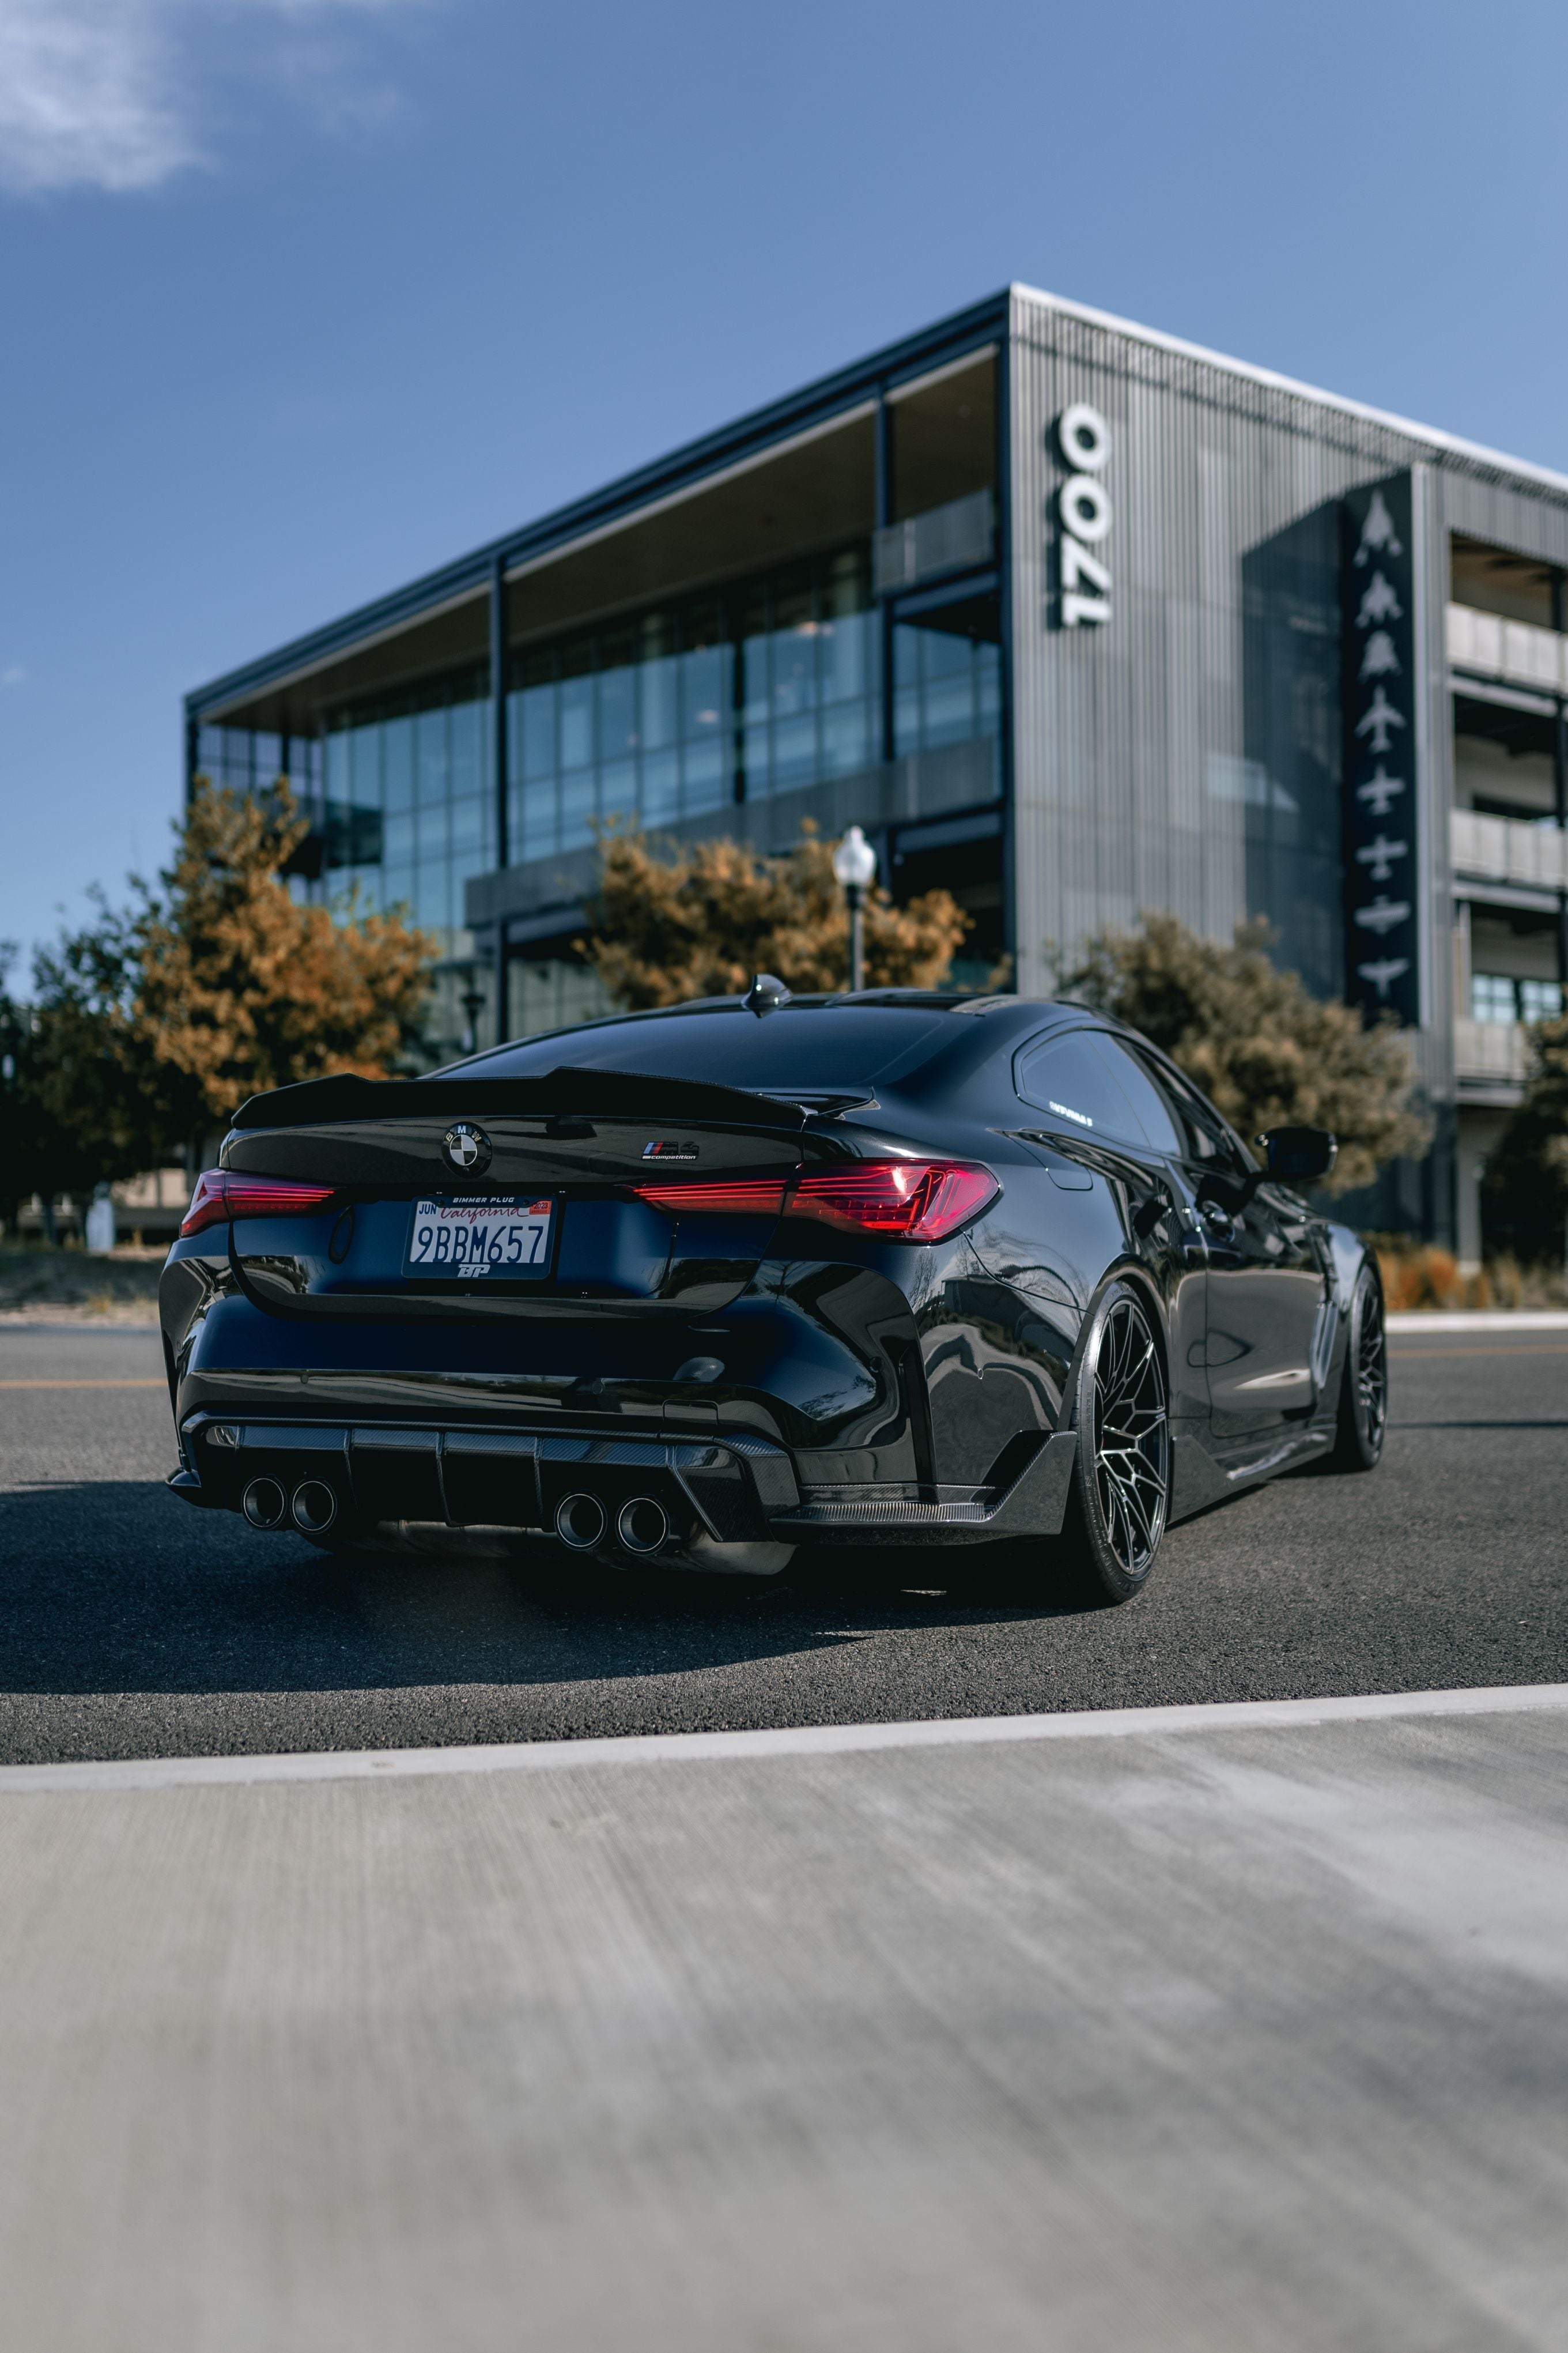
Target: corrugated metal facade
column 1187, row 754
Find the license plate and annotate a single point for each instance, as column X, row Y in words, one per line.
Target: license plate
column 468, row 1238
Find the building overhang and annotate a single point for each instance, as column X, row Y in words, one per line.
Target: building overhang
column 785, row 478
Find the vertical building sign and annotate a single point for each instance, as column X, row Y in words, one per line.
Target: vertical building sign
column 1083, row 514
column 1382, row 871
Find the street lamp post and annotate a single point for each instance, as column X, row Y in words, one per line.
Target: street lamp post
column 855, row 867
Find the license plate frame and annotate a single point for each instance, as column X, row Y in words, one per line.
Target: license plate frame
column 505, row 1237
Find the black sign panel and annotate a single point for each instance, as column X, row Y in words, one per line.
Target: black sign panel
column 1382, row 869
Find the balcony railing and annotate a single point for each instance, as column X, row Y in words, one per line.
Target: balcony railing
column 945, row 539
column 1497, row 1052
column 1516, row 650
column 1505, row 850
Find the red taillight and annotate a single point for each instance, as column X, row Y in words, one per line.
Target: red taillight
column 763, row 1196
column 220, row 1196
column 904, row 1200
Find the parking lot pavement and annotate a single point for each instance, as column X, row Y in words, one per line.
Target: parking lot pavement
column 1234, row 2036
column 131, row 1625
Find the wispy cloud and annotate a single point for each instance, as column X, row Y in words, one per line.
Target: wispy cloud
column 100, row 93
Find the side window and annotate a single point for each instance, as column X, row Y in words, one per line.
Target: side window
column 1154, row 1111
column 1085, row 1080
column 1203, row 1133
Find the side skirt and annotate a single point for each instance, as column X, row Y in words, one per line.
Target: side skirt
column 1198, row 1479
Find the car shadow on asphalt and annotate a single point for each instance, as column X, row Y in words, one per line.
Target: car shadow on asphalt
column 113, row 1584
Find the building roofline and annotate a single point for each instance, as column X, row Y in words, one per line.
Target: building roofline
column 728, row 446
column 1453, row 443
column 751, row 436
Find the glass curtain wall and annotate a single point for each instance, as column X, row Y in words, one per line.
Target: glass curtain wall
column 678, row 713
column 690, row 708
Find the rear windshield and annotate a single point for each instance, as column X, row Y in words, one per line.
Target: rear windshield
column 815, row 1047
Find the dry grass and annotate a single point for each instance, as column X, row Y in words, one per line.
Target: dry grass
column 1418, row 1274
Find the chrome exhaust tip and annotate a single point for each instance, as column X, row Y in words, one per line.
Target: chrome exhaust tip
column 314, row 1507
column 579, row 1522
column 643, row 1526
column 264, row 1504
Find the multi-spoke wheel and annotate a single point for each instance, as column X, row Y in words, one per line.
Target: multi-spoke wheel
column 1122, row 1478
column 1364, row 1386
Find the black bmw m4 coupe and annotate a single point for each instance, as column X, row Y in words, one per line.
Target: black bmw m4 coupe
column 705, row 1286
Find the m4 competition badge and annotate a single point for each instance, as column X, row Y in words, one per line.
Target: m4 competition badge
column 466, row 1148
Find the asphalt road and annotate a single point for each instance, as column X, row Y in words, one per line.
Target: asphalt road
column 132, row 1626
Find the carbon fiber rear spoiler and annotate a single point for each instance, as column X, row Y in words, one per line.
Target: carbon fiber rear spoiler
column 566, row 1092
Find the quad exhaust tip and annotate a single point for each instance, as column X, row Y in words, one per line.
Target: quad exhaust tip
column 314, row 1507
column 579, row 1522
column 643, row 1526
column 264, row 1504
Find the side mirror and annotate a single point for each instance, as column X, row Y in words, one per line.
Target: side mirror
column 1299, row 1155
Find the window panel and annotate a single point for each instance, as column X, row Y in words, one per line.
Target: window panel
column 794, row 753
column 704, row 777
column 430, row 834
column 335, row 764
column 617, row 714
column 466, row 747
column 846, row 738
column 705, row 690
column 618, row 789
column 397, row 839
column 432, row 766
column 576, row 722
column 539, row 831
column 397, row 756
column 659, row 701
column 660, row 787
column 537, row 704
column 579, row 806
column 468, row 826
column 1491, row 997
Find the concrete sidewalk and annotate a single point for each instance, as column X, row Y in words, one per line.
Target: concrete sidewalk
column 1247, row 2033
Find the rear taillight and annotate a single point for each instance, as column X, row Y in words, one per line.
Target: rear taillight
column 763, row 1196
column 906, row 1200
column 220, row 1196
column 902, row 1200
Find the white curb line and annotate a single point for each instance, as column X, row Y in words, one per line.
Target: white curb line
column 789, row 1740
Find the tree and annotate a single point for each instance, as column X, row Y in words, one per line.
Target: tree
column 701, row 922
column 152, row 1024
column 1255, row 1040
column 1525, row 1188
column 238, row 987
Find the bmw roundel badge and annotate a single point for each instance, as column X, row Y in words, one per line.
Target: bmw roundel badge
column 466, row 1148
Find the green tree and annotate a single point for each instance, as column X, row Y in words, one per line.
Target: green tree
column 1255, row 1040
column 1525, row 1190
column 701, row 921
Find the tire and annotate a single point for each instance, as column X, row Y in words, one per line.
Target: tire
column 1363, row 1382
column 1121, row 1479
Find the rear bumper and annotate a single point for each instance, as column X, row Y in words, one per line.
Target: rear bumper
column 732, row 1488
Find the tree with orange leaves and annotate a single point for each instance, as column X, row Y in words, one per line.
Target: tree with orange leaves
column 703, row 921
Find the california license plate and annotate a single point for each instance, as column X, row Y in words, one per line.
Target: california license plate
column 469, row 1237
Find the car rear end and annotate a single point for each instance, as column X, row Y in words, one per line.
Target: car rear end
column 650, row 1318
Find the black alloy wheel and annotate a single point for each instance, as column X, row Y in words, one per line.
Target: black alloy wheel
column 1364, row 1386
column 1121, row 1482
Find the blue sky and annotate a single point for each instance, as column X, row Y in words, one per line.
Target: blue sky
column 302, row 297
